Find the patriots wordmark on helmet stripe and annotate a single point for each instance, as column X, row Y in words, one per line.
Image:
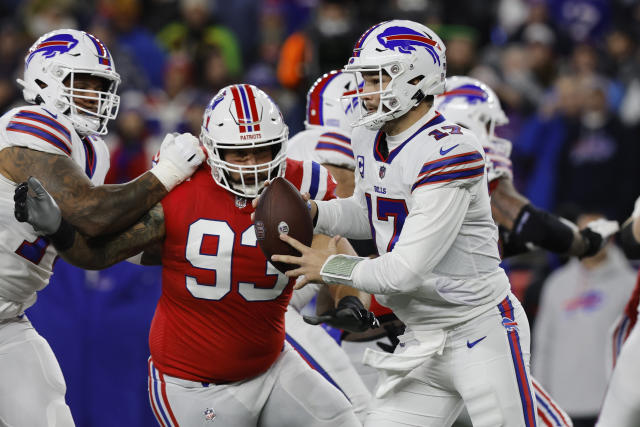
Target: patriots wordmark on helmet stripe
column 252, row 136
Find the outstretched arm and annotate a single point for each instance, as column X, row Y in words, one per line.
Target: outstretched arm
column 97, row 210
column 42, row 212
column 527, row 224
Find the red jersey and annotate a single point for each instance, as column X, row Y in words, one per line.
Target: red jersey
column 221, row 313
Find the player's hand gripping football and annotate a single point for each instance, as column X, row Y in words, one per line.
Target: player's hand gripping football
column 309, row 262
column 349, row 315
column 38, row 209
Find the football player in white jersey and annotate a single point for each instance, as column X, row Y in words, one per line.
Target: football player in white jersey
column 70, row 79
column 621, row 406
column 421, row 193
column 473, row 105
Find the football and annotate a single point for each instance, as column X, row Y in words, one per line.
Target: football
column 281, row 209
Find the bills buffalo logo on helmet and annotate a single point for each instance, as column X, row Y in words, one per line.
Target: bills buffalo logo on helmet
column 471, row 93
column 405, row 40
column 60, row 43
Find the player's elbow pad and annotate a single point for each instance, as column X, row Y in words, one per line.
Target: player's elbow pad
column 542, row 229
column 630, row 245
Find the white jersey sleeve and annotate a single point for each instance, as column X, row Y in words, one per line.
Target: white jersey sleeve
column 462, row 166
column 347, row 217
column 428, row 232
column 323, row 145
column 36, row 128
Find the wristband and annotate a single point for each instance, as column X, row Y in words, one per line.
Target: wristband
column 339, row 269
column 168, row 174
column 64, row 236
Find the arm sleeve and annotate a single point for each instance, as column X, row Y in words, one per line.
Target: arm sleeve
column 346, row 217
column 428, row 233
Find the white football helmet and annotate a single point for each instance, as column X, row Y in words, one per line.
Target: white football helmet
column 411, row 54
column 51, row 66
column 244, row 117
column 472, row 104
column 326, row 106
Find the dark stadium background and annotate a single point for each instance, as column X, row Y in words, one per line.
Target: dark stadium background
column 567, row 72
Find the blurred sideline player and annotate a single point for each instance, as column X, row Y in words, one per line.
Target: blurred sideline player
column 70, row 77
column 421, row 193
column 621, row 406
column 217, row 339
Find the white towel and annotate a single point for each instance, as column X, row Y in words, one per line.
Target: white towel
column 394, row 367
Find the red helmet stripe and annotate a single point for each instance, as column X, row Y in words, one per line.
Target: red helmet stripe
column 315, row 99
column 239, row 111
column 413, row 37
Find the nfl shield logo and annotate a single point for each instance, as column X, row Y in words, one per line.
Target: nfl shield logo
column 209, row 414
column 383, row 170
column 361, row 166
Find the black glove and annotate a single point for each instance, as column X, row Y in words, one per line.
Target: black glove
column 597, row 234
column 393, row 332
column 349, row 315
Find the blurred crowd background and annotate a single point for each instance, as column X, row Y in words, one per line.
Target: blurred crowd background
column 567, row 73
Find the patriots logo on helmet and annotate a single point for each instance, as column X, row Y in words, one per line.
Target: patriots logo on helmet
column 405, row 40
column 60, row 43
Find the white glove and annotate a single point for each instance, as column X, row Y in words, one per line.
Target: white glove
column 180, row 156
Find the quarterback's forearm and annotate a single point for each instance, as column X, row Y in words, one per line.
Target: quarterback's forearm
column 427, row 235
column 93, row 210
column 101, row 252
column 345, row 217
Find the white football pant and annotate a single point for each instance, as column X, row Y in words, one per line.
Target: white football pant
column 621, row 407
column 288, row 394
column 324, row 355
column 32, row 387
column 483, row 365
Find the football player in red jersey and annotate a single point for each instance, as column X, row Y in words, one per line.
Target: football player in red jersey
column 217, row 339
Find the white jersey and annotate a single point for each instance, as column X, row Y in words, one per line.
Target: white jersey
column 323, row 145
column 427, row 206
column 26, row 259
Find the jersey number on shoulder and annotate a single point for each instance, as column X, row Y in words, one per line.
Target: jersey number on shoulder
column 392, row 211
column 445, row 131
column 33, row 251
column 222, row 263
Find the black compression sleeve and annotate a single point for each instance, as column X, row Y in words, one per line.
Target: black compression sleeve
column 542, row 229
column 630, row 245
